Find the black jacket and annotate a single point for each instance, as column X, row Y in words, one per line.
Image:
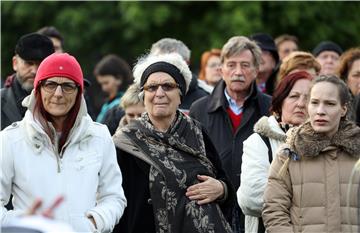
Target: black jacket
column 11, row 108
column 211, row 112
column 138, row 216
column 194, row 93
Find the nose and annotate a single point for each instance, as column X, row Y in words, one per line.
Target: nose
column 301, row 103
column 34, row 68
column 320, row 109
column 238, row 70
column 159, row 91
column 58, row 91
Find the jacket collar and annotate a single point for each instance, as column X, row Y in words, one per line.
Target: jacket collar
column 347, row 139
column 269, row 127
column 36, row 134
column 218, row 99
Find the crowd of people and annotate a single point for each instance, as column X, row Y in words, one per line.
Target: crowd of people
column 265, row 138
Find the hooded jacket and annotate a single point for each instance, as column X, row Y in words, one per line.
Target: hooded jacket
column 255, row 167
column 87, row 174
column 310, row 195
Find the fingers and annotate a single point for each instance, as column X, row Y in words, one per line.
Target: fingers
column 49, row 212
column 35, row 206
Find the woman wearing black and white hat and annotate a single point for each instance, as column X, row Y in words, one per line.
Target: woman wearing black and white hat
column 172, row 174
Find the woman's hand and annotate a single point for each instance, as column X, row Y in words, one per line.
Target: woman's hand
column 208, row 190
column 48, row 212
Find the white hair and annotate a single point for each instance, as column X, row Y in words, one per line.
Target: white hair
column 172, row 58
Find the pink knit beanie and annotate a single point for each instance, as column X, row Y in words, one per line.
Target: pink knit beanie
column 60, row 65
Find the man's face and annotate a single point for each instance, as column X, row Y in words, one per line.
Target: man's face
column 239, row 72
column 268, row 63
column 57, row 45
column 286, row 47
column 329, row 61
column 25, row 71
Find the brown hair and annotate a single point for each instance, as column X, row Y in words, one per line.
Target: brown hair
column 204, row 60
column 285, row 37
column 346, row 61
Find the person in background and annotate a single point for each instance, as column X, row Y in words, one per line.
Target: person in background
column 196, row 89
column 30, row 50
column 132, row 105
column 298, row 61
column 55, row 36
column 231, row 111
column 308, row 188
column 210, row 67
column 286, row 44
column 114, row 76
column 349, row 72
column 173, row 178
column 269, row 65
column 288, row 109
column 327, row 53
column 55, row 148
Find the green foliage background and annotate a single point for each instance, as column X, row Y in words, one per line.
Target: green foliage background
column 93, row 29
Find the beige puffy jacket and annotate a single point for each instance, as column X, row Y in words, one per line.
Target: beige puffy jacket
column 309, row 194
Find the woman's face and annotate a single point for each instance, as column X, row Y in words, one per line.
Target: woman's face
column 109, row 84
column 58, row 96
column 325, row 110
column 212, row 70
column 133, row 112
column 293, row 109
column 353, row 79
column 161, row 96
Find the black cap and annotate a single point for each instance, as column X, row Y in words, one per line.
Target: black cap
column 266, row 42
column 34, row 47
column 87, row 82
column 327, row 46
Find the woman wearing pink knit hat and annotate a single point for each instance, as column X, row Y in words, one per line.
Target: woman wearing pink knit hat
column 57, row 150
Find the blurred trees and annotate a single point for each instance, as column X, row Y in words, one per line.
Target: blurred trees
column 92, row 29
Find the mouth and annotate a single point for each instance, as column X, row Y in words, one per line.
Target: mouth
column 300, row 113
column 238, row 79
column 321, row 122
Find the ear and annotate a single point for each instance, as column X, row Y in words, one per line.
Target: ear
column 14, row 63
column 344, row 110
column 221, row 71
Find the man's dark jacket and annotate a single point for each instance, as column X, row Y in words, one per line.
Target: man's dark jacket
column 195, row 92
column 211, row 112
column 11, row 108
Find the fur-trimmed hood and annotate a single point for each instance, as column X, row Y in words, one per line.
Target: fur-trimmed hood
column 305, row 141
column 269, row 127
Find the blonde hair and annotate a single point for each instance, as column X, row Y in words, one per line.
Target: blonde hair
column 131, row 96
column 298, row 60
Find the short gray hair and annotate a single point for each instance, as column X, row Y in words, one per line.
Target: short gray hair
column 238, row 44
column 170, row 45
column 172, row 58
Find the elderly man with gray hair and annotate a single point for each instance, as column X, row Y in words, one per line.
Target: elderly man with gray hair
column 233, row 108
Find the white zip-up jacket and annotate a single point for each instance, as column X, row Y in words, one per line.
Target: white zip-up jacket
column 255, row 168
column 87, row 174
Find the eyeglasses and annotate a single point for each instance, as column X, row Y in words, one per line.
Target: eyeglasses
column 164, row 86
column 66, row 87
